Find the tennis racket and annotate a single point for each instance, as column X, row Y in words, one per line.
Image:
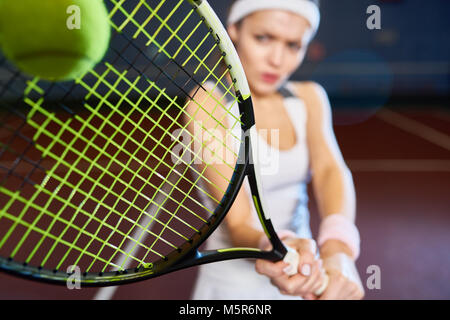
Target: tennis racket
column 100, row 174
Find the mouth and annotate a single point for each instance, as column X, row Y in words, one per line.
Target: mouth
column 270, row 78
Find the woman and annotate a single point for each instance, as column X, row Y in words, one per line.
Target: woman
column 271, row 38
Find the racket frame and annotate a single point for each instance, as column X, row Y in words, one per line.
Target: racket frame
column 189, row 255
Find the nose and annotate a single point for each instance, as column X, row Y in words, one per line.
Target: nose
column 276, row 55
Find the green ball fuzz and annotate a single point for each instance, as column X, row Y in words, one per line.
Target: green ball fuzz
column 55, row 40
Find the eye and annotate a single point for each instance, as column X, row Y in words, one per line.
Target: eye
column 295, row 46
column 262, row 37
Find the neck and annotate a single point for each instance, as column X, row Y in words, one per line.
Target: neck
column 261, row 96
column 258, row 97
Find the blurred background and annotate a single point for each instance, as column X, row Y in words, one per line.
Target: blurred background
column 389, row 89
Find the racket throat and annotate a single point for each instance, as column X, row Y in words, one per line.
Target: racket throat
column 196, row 258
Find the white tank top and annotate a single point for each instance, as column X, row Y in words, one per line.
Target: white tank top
column 284, row 175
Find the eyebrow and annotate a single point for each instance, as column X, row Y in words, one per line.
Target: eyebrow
column 271, row 34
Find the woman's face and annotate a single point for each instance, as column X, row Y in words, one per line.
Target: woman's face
column 271, row 45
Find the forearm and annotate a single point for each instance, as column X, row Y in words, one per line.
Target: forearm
column 335, row 192
column 336, row 195
column 244, row 235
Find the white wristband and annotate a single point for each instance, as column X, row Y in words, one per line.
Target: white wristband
column 339, row 227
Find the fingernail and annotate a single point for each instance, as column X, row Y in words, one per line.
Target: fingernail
column 306, row 270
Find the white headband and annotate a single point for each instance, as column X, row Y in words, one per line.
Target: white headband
column 306, row 9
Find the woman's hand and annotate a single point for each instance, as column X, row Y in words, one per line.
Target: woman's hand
column 310, row 276
column 344, row 281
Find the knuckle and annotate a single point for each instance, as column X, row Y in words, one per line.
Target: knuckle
column 308, row 245
column 290, row 288
column 280, row 285
column 306, row 256
column 259, row 267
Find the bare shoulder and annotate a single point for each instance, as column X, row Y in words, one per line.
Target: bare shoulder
column 315, row 99
column 307, row 86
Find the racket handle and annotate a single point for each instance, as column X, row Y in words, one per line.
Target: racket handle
column 293, row 259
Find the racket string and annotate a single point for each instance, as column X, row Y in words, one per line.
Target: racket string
column 99, row 176
column 182, row 109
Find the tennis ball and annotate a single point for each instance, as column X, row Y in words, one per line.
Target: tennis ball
column 54, row 39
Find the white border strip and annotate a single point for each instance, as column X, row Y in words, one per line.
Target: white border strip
column 416, row 128
column 399, row 165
